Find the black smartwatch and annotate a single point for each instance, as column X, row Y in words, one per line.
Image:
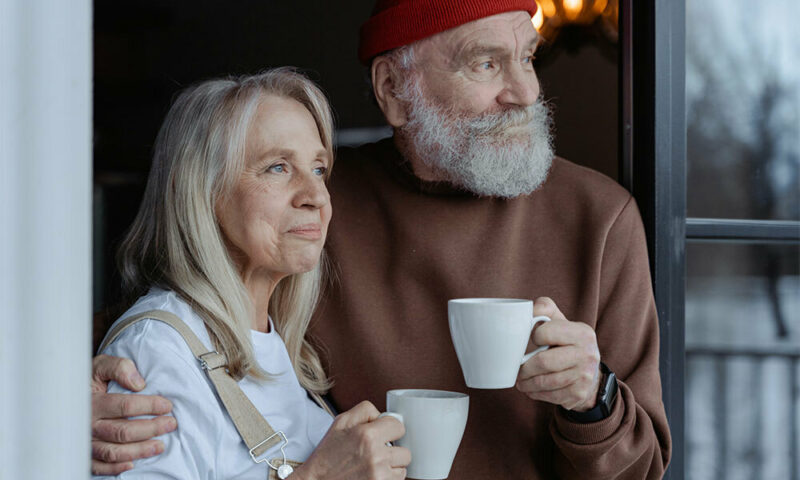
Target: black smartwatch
column 605, row 399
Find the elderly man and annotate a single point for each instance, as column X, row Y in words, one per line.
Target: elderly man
column 468, row 200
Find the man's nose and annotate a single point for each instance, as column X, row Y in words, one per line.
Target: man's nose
column 521, row 87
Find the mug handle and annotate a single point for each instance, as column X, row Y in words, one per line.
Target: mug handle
column 396, row 416
column 528, row 356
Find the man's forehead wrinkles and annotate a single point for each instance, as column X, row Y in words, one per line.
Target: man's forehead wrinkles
column 495, row 33
column 480, row 38
column 526, row 32
column 486, row 34
column 524, row 25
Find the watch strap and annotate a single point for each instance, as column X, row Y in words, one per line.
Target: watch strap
column 606, row 395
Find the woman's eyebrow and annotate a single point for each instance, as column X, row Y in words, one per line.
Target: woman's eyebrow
column 278, row 152
column 322, row 153
column 291, row 154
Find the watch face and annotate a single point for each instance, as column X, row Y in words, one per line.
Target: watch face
column 608, row 390
column 609, row 393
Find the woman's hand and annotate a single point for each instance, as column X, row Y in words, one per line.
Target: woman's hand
column 355, row 447
column 117, row 441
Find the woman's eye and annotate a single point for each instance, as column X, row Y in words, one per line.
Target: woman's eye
column 278, row 168
column 320, row 171
column 486, row 66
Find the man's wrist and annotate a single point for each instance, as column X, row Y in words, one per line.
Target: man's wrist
column 604, row 403
column 591, row 402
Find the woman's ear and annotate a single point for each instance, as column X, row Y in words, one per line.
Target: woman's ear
column 384, row 81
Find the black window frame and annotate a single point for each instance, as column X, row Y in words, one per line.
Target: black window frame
column 652, row 166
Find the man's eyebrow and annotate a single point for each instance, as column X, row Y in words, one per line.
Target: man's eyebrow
column 480, row 50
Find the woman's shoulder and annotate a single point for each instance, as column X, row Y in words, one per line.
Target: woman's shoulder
column 169, row 301
column 170, row 370
column 150, row 336
column 158, row 298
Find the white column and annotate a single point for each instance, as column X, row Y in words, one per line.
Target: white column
column 45, row 242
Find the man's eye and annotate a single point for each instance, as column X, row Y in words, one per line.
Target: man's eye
column 483, row 71
column 527, row 62
column 320, row 171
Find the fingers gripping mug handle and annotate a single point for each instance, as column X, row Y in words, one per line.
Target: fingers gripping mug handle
column 528, row 356
column 396, row 416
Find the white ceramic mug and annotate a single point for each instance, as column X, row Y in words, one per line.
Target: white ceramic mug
column 435, row 422
column 490, row 336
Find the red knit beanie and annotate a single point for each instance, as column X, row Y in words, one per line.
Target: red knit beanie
column 395, row 23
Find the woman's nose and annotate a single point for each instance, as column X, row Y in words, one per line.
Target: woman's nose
column 312, row 192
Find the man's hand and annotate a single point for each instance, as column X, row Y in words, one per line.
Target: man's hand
column 116, row 441
column 568, row 373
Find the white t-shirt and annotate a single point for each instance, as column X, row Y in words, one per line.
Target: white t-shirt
column 206, row 444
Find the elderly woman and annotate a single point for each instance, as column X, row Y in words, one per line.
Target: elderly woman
column 228, row 239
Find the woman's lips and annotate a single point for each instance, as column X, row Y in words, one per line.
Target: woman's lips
column 311, row 231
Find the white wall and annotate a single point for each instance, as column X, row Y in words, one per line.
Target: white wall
column 45, row 243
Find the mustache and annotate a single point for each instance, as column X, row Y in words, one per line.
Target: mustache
column 497, row 124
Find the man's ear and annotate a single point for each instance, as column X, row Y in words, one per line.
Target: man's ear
column 384, row 80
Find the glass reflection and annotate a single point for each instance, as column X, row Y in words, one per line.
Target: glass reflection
column 743, row 109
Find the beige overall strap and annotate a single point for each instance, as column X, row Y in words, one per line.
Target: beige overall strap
column 257, row 434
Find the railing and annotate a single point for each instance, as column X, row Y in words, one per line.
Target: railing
column 757, row 358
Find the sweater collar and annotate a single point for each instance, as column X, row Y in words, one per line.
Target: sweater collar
column 400, row 169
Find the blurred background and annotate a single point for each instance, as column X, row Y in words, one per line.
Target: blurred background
column 743, row 297
column 743, row 161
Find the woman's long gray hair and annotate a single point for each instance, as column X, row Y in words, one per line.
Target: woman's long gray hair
column 176, row 242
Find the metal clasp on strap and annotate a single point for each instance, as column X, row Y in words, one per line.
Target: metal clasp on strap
column 212, row 360
column 284, row 470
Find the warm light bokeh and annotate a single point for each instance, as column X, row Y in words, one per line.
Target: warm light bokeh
column 548, row 8
column 553, row 15
column 572, row 8
column 538, row 19
column 599, row 6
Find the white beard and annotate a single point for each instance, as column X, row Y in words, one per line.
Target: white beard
column 504, row 154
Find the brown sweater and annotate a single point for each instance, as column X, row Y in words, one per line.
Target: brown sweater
column 402, row 247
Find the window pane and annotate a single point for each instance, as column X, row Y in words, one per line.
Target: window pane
column 742, row 360
column 743, row 109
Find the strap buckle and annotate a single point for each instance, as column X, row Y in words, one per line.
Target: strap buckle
column 212, row 360
column 284, row 470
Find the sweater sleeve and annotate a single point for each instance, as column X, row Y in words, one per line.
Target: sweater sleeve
column 170, row 370
column 634, row 441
